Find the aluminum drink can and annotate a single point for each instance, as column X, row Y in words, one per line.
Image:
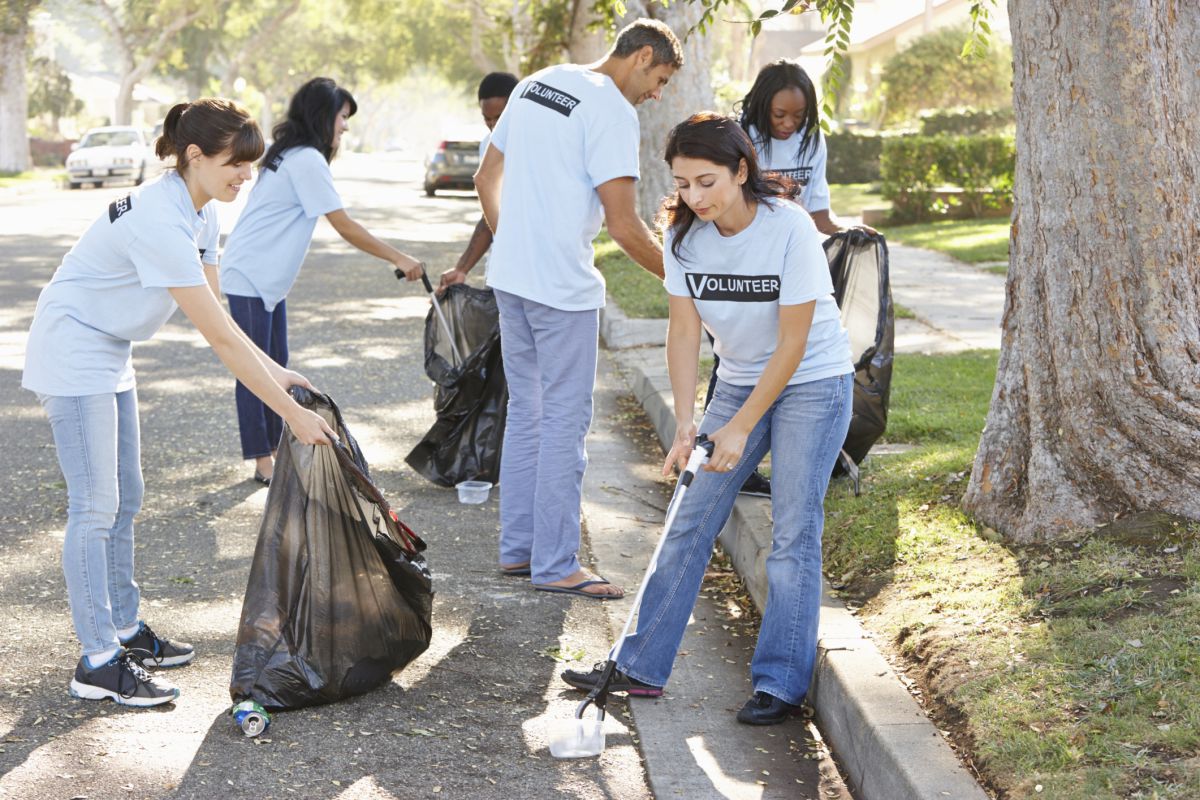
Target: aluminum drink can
column 252, row 718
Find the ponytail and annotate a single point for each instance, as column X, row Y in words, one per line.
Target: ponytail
column 212, row 124
column 165, row 145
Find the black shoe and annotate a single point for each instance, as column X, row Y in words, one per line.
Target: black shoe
column 123, row 680
column 161, row 652
column 756, row 486
column 620, row 682
column 766, row 709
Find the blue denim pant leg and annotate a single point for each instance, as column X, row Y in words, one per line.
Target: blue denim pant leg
column 550, row 363
column 99, row 450
column 259, row 426
column 671, row 592
column 808, row 426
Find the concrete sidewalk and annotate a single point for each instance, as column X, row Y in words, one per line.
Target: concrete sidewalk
column 887, row 748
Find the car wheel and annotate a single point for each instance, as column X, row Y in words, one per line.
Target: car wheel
column 141, row 176
column 430, row 191
column 74, row 184
column 97, row 184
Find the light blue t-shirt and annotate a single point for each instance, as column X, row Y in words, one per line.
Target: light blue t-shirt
column 112, row 289
column 267, row 245
column 739, row 282
column 807, row 169
column 565, row 131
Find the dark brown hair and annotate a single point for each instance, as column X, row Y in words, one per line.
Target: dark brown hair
column 652, row 33
column 214, row 125
column 712, row 137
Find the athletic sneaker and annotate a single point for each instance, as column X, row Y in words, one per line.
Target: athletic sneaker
column 123, row 679
column 620, row 682
column 161, row 652
column 756, row 486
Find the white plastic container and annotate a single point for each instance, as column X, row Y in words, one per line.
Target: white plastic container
column 473, row 492
column 576, row 738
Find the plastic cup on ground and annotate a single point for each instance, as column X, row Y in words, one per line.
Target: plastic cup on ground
column 576, row 738
column 473, row 492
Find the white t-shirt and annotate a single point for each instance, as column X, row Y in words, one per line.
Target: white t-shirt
column 112, row 289
column 565, row 131
column 267, row 245
column 807, row 169
column 739, row 282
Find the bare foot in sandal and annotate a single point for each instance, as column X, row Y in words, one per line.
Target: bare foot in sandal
column 585, row 584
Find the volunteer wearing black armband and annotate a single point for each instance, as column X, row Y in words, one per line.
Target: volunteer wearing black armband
column 149, row 253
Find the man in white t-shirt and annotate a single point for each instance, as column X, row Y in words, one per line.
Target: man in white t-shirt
column 494, row 91
column 562, row 159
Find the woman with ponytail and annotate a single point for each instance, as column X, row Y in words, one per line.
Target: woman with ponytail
column 745, row 264
column 147, row 254
column 268, row 243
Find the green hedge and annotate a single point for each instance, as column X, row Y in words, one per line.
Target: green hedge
column 916, row 171
column 965, row 122
column 853, row 157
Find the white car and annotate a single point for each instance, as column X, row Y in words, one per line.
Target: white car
column 114, row 153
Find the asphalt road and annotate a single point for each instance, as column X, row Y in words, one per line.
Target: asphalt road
column 466, row 720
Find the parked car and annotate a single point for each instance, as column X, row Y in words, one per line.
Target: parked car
column 452, row 166
column 113, row 153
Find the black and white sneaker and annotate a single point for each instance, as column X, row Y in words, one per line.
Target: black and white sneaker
column 123, row 680
column 160, row 652
column 757, row 485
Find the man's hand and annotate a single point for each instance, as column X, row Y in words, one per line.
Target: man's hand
column 451, row 277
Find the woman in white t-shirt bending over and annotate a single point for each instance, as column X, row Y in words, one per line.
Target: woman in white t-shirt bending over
column 267, row 245
column 148, row 253
column 745, row 263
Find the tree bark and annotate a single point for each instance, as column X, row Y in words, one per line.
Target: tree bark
column 1096, row 409
column 689, row 91
column 14, row 100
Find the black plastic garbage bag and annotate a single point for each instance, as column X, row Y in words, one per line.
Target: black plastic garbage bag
column 339, row 596
column 470, row 395
column 858, row 264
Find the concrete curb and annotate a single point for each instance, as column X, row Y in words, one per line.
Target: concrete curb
column 886, row 745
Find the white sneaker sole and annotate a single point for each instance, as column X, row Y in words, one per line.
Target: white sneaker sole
column 173, row 661
column 86, row 691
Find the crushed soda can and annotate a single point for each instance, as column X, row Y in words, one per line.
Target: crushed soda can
column 252, row 718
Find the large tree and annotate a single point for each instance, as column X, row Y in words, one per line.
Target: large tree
column 1096, row 410
column 14, row 100
column 144, row 32
column 689, row 91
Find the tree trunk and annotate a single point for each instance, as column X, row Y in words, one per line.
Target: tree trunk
column 689, row 91
column 586, row 46
column 14, row 102
column 1096, row 409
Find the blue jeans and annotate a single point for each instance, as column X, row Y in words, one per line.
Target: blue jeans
column 99, row 450
column 550, row 363
column 260, row 427
column 803, row 430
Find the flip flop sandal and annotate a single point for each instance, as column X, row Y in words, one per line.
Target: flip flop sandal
column 578, row 588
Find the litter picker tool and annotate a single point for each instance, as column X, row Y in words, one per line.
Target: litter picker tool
column 437, row 309
column 579, row 737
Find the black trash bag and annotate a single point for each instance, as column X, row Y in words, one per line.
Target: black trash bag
column 339, row 595
column 470, row 395
column 858, row 264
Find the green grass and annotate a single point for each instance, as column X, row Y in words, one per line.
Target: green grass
column 637, row 292
column 849, row 199
column 1071, row 667
column 8, row 179
column 970, row 240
